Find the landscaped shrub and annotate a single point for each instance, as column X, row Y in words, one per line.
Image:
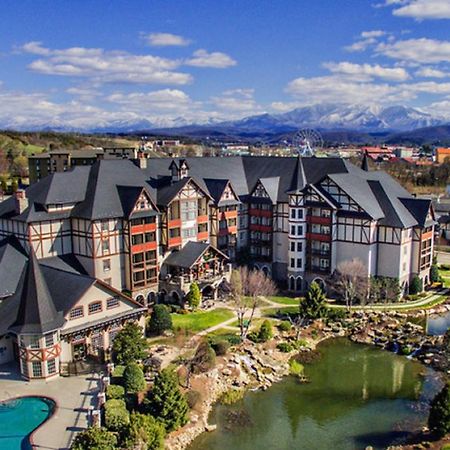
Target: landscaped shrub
column 115, row 391
column 192, row 398
column 133, row 379
column 160, row 320
column 285, row 347
column 434, row 273
column 220, row 347
column 265, row 331
column 295, row 368
column 129, row 344
column 194, row 296
column 416, row 285
column 165, row 401
column 94, row 438
column 439, row 419
column 232, row 396
column 285, row 325
column 116, row 415
column 204, row 358
column 144, row 433
column 302, row 343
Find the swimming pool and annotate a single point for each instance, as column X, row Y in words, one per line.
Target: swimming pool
column 19, row 418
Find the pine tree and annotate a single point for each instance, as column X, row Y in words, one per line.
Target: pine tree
column 129, row 344
column 439, row 419
column 166, row 402
column 194, row 296
column 313, row 305
column 145, row 433
column 416, row 285
column 133, row 379
column 160, row 320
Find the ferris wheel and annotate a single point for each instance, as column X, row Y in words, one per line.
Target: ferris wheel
column 307, row 141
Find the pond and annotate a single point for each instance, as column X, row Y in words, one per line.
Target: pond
column 19, row 418
column 358, row 396
column 438, row 324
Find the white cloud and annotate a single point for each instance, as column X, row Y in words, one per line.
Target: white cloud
column 106, row 66
column 367, row 71
column 417, row 51
column 424, row 9
column 430, row 72
column 218, row 60
column 236, row 101
column 166, row 40
column 338, row 89
column 365, row 40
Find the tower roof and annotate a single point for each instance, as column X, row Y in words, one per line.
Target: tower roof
column 36, row 312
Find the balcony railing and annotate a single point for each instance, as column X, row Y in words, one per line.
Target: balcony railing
column 320, row 252
column 319, row 269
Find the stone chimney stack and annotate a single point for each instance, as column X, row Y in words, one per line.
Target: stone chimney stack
column 21, row 201
column 142, row 161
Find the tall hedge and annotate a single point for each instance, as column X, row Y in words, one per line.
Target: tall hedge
column 133, row 379
column 117, row 418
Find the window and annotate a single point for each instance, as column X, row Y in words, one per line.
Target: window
column 112, row 302
column 293, row 230
column 106, row 265
column 34, row 342
column 105, row 245
column 292, row 246
column 97, row 341
column 95, row 307
column 150, row 237
column 137, row 239
column 293, row 213
column 36, row 369
column 299, row 246
column 299, row 263
column 76, row 312
column 51, row 366
column 292, row 262
column 150, row 255
column 49, row 341
column 189, row 232
column 189, row 210
column 138, row 258
column 300, row 213
column 150, row 274
column 202, row 228
column 174, row 232
column 299, row 230
column 24, row 365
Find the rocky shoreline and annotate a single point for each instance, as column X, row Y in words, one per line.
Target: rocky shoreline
column 258, row 366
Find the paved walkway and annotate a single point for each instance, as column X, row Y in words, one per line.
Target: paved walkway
column 73, row 396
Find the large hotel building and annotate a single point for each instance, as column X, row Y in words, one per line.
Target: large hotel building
column 87, row 249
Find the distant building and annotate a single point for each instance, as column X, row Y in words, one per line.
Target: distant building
column 403, row 152
column 44, row 164
column 441, row 154
column 378, row 153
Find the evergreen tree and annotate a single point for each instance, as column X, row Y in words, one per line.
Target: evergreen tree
column 439, row 419
column 160, row 320
column 129, row 344
column 194, row 297
column 94, row 438
column 133, row 379
column 166, row 403
column 265, row 332
column 434, row 273
column 416, row 285
column 313, row 305
column 145, row 433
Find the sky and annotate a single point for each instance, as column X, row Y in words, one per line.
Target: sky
column 90, row 63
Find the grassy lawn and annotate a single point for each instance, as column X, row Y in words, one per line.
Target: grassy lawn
column 199, row 321
column 273, row 312
column 445, row 274
column 285, row 300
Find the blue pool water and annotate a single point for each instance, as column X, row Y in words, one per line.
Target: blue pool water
column 19, row 418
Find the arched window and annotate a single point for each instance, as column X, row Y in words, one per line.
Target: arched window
column 291, row 284
column 299, row 284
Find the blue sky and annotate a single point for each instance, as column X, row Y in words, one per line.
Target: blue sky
column 83, row 63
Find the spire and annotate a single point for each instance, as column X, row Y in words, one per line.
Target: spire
column 300, row 181
column 365, row 162
column 36, row 312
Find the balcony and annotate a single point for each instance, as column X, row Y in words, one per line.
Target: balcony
column 318, row 237
column 318, row 269
column 320, row 252
column 319, row 220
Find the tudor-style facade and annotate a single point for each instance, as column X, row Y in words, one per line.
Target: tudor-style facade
column 295, row 218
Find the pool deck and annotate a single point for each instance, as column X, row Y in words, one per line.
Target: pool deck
column 73, row 396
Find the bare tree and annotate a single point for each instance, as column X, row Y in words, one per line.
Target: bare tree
column 350, row 281
column 246, row 287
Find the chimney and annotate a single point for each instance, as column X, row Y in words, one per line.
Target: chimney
column 142, row 162
column 21, row 201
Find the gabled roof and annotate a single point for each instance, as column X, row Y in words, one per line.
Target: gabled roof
column 419, row 208
column 271, row 186
column 190, row 254
column 36, row 310
column 12, row 263
column 216, row 187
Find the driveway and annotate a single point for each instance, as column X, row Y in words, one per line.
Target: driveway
column 73, row 396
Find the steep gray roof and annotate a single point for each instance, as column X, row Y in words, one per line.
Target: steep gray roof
column 189, row 254
column 36, row 310
column 12, row 263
